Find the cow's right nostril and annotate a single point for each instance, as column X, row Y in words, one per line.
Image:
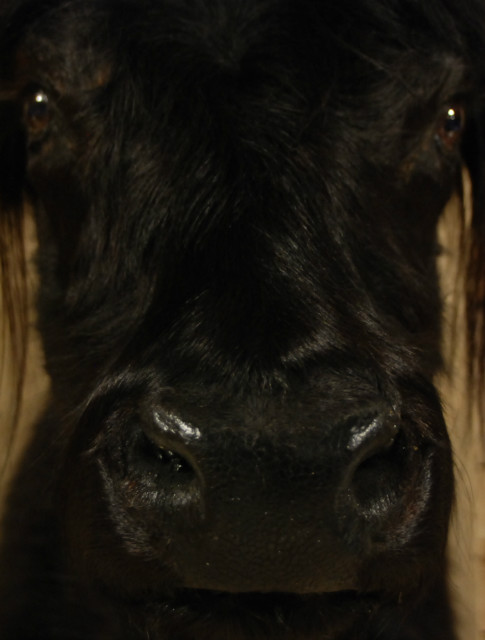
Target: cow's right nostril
column 172, row 465
column 170, row 441
column 174, row 462
column 167, row 472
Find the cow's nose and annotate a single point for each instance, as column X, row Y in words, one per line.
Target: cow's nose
column 357, row 457
column 279, row 509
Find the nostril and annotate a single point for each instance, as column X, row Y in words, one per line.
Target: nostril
column 173, row 466
column 375, row 468
column 174, row 462
column 373, row 435
column 171, row 444
column 375, row 481
column 167, row 480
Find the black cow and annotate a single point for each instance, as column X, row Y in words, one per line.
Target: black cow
column 236, row 204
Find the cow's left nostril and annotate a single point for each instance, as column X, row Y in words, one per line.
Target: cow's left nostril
column 373, row 435
column 376, row 468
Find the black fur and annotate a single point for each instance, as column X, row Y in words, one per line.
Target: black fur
column 236, row 204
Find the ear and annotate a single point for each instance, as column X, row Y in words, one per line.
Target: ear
column 13, row 282
column 474, row 156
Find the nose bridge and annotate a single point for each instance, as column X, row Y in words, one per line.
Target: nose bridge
column 269, row 471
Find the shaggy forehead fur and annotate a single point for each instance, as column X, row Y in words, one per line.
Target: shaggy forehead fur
column 278, row 144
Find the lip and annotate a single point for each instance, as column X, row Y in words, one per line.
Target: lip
column 219, row 615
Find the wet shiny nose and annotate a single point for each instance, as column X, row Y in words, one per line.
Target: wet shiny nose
column 249, row 509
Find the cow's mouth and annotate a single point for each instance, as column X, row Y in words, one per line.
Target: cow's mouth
column 221, row 616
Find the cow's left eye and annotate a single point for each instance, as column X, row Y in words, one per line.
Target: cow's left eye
column 37, row 114
column 451, row 126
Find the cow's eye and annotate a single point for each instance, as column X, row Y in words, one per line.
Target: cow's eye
column 451, row 126
column 37, row 114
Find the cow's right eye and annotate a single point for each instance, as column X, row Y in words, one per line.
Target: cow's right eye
column 37, row 114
